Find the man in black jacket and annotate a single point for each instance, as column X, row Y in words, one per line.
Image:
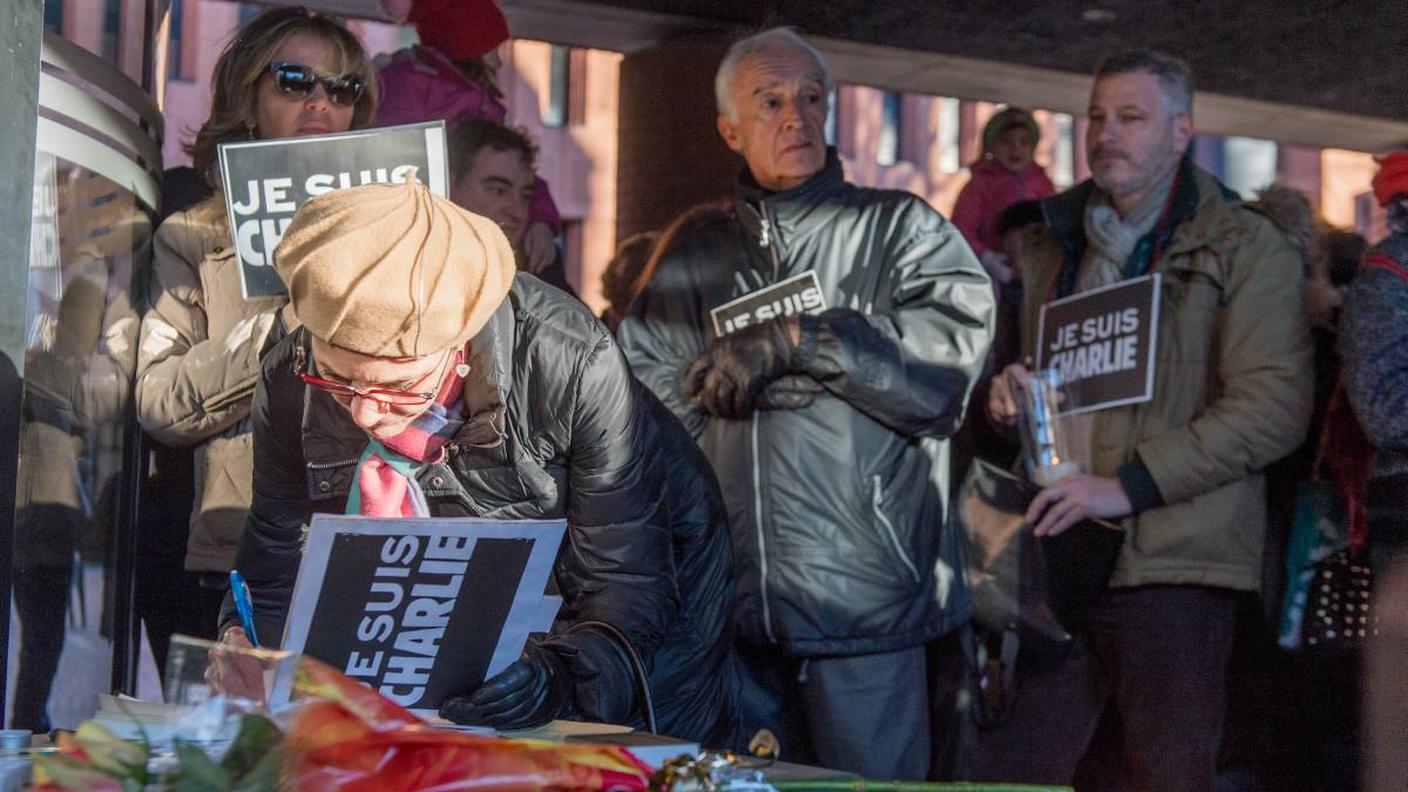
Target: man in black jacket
column 420, row 349
column 826, row 427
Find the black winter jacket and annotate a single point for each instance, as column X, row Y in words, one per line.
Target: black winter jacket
column 557, row 427
column 838, row 507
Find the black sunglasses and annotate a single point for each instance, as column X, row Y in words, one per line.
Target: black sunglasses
column 296, row 79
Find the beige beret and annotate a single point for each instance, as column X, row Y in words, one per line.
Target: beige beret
column 393, row 270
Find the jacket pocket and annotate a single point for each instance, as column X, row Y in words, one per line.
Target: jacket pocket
column 889, row 535
column 331, row 480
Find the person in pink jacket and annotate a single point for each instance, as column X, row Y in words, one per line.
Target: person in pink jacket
column 1006, row 174
column 450, row 76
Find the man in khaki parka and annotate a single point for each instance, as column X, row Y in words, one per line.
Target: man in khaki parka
column 1181, row 473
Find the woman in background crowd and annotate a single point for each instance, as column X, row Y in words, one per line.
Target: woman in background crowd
column 451, row 76
column 1374, row 343
column 288, row 73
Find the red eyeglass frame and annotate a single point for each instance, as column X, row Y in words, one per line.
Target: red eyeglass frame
column 396, row 398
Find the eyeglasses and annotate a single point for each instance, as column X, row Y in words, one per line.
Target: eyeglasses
column 397, row 398
column 378, row 395
column 296, row 79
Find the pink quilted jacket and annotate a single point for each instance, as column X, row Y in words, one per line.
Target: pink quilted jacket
column 421, row 84
column 987, row 195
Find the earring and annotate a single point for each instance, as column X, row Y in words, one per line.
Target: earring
column 462, row 370
column 250, row 129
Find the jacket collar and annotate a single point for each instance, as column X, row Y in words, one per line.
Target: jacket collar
column 1199, row 207
column 785, row 205
column 490, row 376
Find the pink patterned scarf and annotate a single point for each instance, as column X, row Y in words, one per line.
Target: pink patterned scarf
column 385, row 484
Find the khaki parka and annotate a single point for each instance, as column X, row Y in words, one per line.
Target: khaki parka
column 197, row 366
column 1232, row 383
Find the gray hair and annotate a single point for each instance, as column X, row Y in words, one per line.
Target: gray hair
column 778, row 38
column 1175, row 78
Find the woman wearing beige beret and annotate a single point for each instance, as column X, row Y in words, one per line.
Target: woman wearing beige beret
column 429, row 379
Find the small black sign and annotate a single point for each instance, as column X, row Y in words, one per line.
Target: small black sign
column 422, row 609
column 798, row 294
column 267, row 180
column 1102, row 341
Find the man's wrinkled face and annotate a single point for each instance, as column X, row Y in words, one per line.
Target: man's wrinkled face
column 499, row 186
column 1134, row 136
column 780, row 101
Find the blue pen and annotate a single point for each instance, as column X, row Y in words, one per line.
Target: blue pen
column 243, row 606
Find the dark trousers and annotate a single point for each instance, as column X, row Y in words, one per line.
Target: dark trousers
column 41, row 600
column 865, row 714
column 1151, row 662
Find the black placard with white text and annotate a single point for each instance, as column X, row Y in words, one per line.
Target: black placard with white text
column 267, row 180
column 422, row 609
column 1103, row 342
column 798, row 294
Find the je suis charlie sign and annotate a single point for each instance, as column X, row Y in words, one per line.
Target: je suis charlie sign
column 1103, row 343
column 420, row 609
column 267, row 180
column 798, row 294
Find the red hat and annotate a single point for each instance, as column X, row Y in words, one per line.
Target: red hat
column 461, row 29
column 1392, row 178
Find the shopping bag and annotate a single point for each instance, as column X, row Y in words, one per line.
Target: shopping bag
column 1039, row 587
column 1328, row 603
column 1317, row 531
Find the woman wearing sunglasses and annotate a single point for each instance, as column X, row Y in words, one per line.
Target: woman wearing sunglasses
column 288, row 73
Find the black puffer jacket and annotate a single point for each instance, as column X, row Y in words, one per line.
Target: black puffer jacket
column 838, row 508
column 558, row 428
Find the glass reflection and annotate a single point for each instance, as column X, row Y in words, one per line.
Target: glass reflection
column 89, row 238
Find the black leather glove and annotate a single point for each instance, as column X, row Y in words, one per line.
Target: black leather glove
column 789, row 392
column 726, row 378
column 531, row 692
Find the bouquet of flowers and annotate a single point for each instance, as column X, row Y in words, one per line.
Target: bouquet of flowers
column 340, row 735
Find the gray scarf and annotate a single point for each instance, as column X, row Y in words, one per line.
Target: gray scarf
column 1110, row 239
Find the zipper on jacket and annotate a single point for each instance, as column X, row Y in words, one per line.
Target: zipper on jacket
column 877, row 501
column 758, row 526
column 766, row 238
column 330, row 465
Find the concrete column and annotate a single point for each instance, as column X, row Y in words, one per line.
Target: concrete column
column 670, row 156
column 19, row 95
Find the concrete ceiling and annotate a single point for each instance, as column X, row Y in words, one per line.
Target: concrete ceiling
column 1312, row 72
column 1324, row 73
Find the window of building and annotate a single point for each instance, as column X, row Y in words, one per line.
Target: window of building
column 887, row 150
column 950, row 134
column 1367, row 215
column 173, row 46
column 567, row 87
column 1250, row 164
column 112, row 21
column 833, row 112
column 54, row 16
column 1063, row 151
column 571, row 245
